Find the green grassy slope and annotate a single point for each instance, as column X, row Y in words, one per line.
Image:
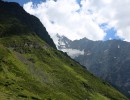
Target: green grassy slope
column 32, row 70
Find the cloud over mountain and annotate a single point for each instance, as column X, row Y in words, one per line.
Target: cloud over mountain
column 115, row 13
column 76, row 20
column 66, row 17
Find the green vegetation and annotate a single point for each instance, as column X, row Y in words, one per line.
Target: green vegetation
column 32, row 70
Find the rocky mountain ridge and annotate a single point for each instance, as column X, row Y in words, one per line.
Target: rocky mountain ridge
column 109, row 60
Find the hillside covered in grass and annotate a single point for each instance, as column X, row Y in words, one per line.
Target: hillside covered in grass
column 32, row 69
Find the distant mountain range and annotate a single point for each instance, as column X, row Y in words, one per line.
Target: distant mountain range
column 109, row 60
column 31, row 68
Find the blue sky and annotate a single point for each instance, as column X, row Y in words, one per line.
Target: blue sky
column 111, row 32
column 21, row 2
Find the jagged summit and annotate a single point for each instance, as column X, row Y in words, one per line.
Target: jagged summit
column 108, row 60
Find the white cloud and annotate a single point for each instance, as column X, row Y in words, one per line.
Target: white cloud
column 73, row 52
column 115, row 13
column 67, row 18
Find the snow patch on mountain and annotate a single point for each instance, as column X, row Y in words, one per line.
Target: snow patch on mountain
column 63, row 44
column 73, row 52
